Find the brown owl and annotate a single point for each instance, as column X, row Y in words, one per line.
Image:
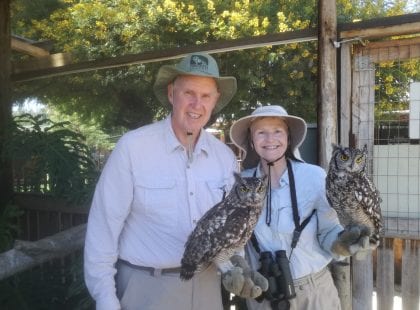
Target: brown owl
column 226, row 227
column 352, row 194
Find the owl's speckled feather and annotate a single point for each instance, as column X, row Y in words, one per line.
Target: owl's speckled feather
column 352, row 194
column 226, row 227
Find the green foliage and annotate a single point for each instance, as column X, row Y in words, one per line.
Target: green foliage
column 50, row 159
column 392, row 82
column 8, row 226
column 56, row 285
column 94, row 138
column 123, row 96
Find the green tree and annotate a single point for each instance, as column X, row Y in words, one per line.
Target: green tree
column 123, row 97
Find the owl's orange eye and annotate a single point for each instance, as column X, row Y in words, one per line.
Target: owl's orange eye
column 359, row 159
column 344, row 157
column 243, row 189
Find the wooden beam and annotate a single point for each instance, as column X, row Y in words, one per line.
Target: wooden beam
column 390, row 50
column 155, row 56
column 28, row 48
column 38, row 64
column 381, row 27
column 366, row 29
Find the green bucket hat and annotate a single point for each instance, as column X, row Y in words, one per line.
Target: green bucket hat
column 198, row 64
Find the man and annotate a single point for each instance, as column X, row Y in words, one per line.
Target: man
column 157, row 183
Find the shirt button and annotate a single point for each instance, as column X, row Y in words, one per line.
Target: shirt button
column 188, row 166
column 191, row 193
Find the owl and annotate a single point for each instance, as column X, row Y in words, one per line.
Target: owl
column 352, row 194
column 226, row 227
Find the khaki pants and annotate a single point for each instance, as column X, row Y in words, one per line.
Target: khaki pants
column 314, row 292
column 140, row 290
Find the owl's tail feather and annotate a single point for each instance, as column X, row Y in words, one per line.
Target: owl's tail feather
column 187, row 271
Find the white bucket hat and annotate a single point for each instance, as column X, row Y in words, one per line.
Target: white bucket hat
column 198, row 64
column 239, row 132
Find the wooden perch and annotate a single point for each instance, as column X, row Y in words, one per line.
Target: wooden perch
column 27, row 254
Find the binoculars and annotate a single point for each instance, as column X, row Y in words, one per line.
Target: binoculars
column 277, row 271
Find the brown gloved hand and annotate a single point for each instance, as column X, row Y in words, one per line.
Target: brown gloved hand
column 352, row 241
column 242, row 281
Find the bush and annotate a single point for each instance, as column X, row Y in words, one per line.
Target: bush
column 50, row 159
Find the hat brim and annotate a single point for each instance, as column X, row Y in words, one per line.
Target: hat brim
column 239, row 135
column 226, row 85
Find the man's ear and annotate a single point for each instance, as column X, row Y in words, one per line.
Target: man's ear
column 171, row 93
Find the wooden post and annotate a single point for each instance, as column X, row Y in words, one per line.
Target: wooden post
column 327, row 114
column 5, row 99
column 341, row 276
column 327, row 118
column 363, row 101
column 345, row 93
column 385, row 274
column 327, row 82
column 410, row 275
column 341, row 272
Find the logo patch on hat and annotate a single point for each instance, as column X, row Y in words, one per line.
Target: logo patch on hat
column 199, row 63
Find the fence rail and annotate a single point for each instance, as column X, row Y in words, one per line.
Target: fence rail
column 45, row 216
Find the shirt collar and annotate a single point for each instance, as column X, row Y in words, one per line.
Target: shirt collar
column 172, row 142
column 284, row 179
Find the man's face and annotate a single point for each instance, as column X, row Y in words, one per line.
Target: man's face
column 193, row 99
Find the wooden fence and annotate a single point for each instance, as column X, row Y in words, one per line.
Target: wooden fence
column 396, row 262
column 397, row 272
column 45, row 216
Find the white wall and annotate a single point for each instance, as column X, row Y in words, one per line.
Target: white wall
column 396, row 173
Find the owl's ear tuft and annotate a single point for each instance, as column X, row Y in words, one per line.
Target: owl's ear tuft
column 237, row 176
column 265, row 178
column 365, row 150
column 336, row 147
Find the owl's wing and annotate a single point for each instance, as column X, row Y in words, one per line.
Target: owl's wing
column 218, row 229
column 369, row 199
column 368, row 196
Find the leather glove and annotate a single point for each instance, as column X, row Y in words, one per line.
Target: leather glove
column 353, row 241
column 242, row 281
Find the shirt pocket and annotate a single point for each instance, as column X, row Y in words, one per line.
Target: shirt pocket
column 157, row 199
column 284, row 220
column 217, row 188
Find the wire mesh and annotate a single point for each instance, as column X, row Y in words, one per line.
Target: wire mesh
column 396, row 148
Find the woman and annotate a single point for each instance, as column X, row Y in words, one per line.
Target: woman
column 269, row 139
